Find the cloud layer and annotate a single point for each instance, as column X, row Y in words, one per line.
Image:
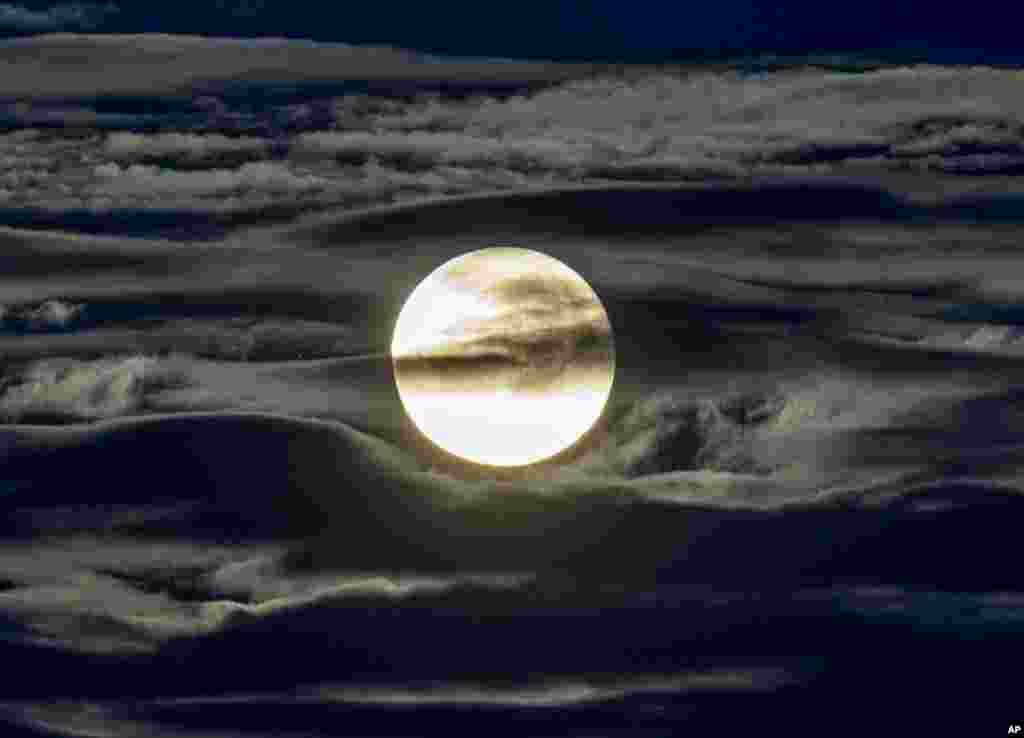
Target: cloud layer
column 222, row 161
column 206, row 469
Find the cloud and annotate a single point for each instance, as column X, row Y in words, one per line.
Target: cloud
column 118, row 598
column 56, row 114
column 52, row 313
column 682, row 488
column 142, row 180
column 266, row 584
column 417, row 150
column 70, row 389
column 392, row 518
column 47, row 315
column 65, row 64
column 183, row 148
column 250, row 339
column 564, row 694
column 799, row 117
column 789, row 434
column 985, row 163
column 994, row 335
column 73, row 15
column 665, row 433
column 651, row 125
column 983, row 338
column 425, row 114
column 278, row 188
column 668, row 168
column 701, row 126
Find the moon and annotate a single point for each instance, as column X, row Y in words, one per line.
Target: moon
column 503, row 356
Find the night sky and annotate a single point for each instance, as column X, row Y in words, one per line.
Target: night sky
column 646, row 31
column 799, row 511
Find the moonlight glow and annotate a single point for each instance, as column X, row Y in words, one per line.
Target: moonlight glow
column 503, row 356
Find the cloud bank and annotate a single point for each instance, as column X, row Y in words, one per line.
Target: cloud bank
column 222, row 160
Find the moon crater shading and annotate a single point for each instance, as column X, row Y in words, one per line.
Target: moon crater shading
column 503, row 356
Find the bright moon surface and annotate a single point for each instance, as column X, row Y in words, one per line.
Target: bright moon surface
column 503, row 356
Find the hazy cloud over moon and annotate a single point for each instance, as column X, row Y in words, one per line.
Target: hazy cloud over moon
column 489, row 338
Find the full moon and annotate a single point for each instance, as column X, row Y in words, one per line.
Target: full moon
column 503, row 356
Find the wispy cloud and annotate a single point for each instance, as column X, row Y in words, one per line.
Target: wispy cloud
column 65, row 64
column 152, row 180
column 183, row 147
column 71, row 389
column 72, row 15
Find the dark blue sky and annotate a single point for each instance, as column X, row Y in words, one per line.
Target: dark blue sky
column 640, row 30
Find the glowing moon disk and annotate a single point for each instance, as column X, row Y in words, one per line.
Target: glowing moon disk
column 503, row 356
